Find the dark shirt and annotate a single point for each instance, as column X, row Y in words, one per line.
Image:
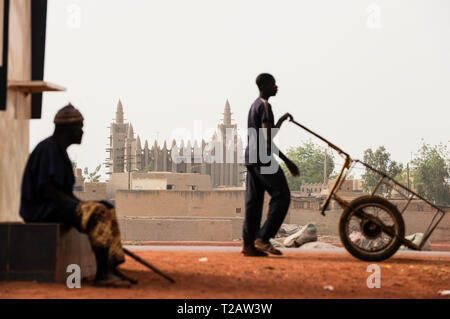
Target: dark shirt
column 48, row 163
column 259, row 113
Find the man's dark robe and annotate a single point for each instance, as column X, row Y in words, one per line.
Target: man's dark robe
column 47, row 164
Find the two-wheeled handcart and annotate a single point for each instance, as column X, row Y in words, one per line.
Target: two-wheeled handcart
column 378, row 223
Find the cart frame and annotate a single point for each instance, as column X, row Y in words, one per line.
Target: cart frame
column 384, row 179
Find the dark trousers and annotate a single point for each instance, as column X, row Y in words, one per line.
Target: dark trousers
column 277, row 187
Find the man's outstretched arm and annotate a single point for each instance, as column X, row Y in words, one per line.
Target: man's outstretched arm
column 293, row 169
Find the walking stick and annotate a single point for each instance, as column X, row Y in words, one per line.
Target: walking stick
column 142, row 261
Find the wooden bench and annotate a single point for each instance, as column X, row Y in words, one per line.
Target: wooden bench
column 42, row 251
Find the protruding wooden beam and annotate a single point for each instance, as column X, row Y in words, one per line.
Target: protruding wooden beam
column 34, row 86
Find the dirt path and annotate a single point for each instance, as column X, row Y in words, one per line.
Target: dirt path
column 227, row 274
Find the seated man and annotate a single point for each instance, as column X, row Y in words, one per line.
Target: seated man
column 47, row 197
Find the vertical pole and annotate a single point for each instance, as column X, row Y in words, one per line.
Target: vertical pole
column 4, row 56
column 407, row 173
column 129, row 171
column 325, row 177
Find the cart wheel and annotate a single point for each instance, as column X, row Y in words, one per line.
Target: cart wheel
column 369, row 227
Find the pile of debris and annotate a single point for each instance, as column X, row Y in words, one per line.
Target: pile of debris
column 417, row 239
column 305, row 237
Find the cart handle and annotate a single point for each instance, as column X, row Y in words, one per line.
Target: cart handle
column 337, row 182
column 323, row 139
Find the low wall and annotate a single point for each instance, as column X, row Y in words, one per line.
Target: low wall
column 92, row 192
column 180, row 203
column 417, row 222
column 231, row 204
column 180, row 229
column 326, row 225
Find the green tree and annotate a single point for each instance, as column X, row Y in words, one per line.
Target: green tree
column 380, row 160
column 86, row 176
column 93, row 176
column 309, row 158
column 148, row 168
column 431, row 173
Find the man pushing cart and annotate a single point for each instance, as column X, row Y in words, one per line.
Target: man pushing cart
column 375, row 218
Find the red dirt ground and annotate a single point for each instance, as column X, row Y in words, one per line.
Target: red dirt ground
column 230, row 275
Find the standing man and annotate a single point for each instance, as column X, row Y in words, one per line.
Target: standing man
column 264, row 173
column 47, row 197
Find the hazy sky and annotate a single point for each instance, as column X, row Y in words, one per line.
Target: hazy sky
column 360, row 73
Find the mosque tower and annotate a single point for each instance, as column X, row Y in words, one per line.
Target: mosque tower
column 118, row 133
column 130, row 150
column 139, row 154
column 127, row 154
column 119, row 113
column 227, row 171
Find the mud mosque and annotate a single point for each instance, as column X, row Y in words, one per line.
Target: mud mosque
column 126, row 153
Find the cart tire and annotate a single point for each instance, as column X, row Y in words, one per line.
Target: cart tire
column 387, row 206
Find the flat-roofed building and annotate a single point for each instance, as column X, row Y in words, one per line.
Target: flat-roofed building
column 157, row 181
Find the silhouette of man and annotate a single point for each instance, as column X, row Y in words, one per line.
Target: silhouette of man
column 47, row 196
column 261, row 176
